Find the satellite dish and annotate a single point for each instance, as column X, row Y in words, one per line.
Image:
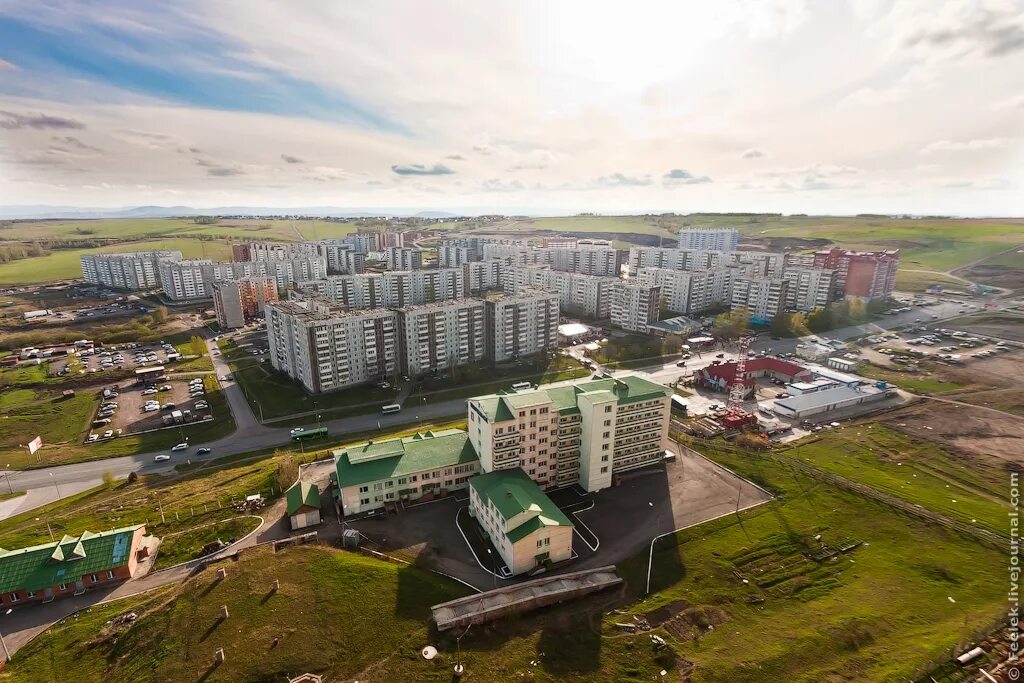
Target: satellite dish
column 429, row 652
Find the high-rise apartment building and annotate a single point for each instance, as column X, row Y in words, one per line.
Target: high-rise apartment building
column 578, row 294
column 709, row 239
column 481, row 276
column 437, row 337
column 184, row 280
column 764, row 297
column 690, row 292
column 237, row 301
column 809, row 288
column 579, row 434
column 414, row 287
column 635, row 305
column 351, row 292
column 404, row 258
column 521, row 324
column 866, row 275
column 134, row 271
column 587, row 259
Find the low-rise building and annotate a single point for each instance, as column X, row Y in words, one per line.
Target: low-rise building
column 829, row 400
column 379, row 474
column 303, row 505
column 722, row 376
column 72, row 565
column 524, row 525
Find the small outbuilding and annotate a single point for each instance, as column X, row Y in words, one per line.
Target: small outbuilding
column 303, row 505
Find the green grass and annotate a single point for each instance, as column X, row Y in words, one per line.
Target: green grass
column 187, row 502
column 335, row 613
column 64, row 264
column 916, row 471
column 8, row 495
column 640, row 225
column 922, row 382
column 873, row 614
column 909, row 281
column 479, row 380
column 182, row 546
column 635, row 347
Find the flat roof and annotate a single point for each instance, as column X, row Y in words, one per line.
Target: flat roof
column 152, row 368
column 678, row 324
column 573, row 329
column 825, row 397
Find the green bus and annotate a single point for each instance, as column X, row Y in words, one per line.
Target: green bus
column 309, row 434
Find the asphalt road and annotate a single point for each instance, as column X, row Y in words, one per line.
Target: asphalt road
column 251, row 435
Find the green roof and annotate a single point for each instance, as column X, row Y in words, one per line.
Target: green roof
column 375, row 461
column 503, row 405
column 513, row 493
column 64, row 561
column 304, row 493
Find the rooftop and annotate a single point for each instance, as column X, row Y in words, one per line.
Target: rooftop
column 64, row 561
column 727, row 371
column 375, row 461
column 824, row 397
column 629, row 389
column 303, row 494
column 513, row 492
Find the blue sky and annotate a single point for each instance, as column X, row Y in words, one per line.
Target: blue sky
column 783, row 105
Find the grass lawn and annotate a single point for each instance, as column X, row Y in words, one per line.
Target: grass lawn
column 635, row 347
column 908, row 281
column 320, row 616
column 64, row 263
column 641, row 225
column 181, row 546
column 480, row 380
column 875, row 613
column 188, row 502
column 916, row 382
column 916, row 471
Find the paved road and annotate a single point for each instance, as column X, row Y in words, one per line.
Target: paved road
column 252, row 436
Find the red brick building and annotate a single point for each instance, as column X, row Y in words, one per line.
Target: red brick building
column 720, row 377
column 863, row 274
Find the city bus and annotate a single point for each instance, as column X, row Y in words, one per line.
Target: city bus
column 391, row 408
column 308, row 434
column 518, row 386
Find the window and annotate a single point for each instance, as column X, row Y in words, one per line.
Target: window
column 364, row 489
column 606, row 435
column 604, row 470
column 604, row 458
column 94, row 578
column 402, row 480
column 604, row 447
column 607, row 409
column 63, row 587
column 540, row 543
column 14, row 597
column 388, row 484
column 30, row 594
column 378, row 486
column 364, row 501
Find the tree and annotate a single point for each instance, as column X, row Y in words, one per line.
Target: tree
column 732, row 324
column 857, row 310
column 820, row 320
column 108, row 478
column 160, row 315
column 287, row 471
column 198, row 346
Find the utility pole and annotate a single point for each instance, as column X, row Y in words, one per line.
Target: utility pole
column 7, row 653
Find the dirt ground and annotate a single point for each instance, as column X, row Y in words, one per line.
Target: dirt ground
column 130, row 416
column 995, row 275
column 1004, row 325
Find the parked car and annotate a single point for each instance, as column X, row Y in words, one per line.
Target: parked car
column 167, row 406
column 108, row 434
column 720, row 355
column 92, row 437
column 296, row 430
column 203, row 451
column 202, row 405
column 180, row 447
column 161, row 458
column 166, row 387
column 148, row 392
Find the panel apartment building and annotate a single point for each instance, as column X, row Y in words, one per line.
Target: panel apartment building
column 752, row 263
column 809, row 288
column 340, row 256
column 404, row 258
column 194, row 279
column 708, row 239
column 413, row 287
column 578, row 434
column 586, row 295
column 134, row 271
column 635, row 305
column 238, row 301
column 866, row 275
column 326, row 348
column 764, row 297
column 481, row 276
column 690, row 292
column 351, row 292
column 437, row 337
column 586, row 259
column 521, row 324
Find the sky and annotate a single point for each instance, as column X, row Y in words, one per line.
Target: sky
column 855, row 106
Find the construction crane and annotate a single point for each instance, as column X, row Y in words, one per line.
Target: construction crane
column 735, row 415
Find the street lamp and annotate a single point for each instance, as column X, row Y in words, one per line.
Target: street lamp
column 7, row 653
column 57, row 485
column 494, row 567
column 8, row 477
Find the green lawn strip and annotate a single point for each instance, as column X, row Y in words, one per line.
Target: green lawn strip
column 335, row 613
column 8, row 495
column 182, row 546
column 185, row 501
column 482, row 379
column 875, row 613
column 916, row 471
column 910, row 281
column 635, row 347
column 922, row 382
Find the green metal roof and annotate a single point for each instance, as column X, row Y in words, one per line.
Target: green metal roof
column 503, row 405
column 304, row 493
column 392, row 458
column 513, row 492
column 64, row 561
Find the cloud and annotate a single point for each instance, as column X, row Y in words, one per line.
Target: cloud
column 13, row 121
column 486, row 150
column 195, row 150
column 678, row 176
column 753, row 154
column 497, row 185
column 456, row 157
column 224, row 171
column 965, row 146
column 71, row 141
column 288, row 158
column 623, row 180
column 420, row 169
column 983, row 184
column 994, row 33
column 7, row 66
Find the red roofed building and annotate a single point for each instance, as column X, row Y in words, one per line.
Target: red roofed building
column 868, row 275
column 721, row 377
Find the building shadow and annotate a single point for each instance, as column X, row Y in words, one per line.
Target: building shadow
column 571, row 646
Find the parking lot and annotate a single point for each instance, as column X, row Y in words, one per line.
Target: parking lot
column 624, row 519
column 131, row 417
column 113, row 357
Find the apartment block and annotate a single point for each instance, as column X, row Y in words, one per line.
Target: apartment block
column 635, row 305
column 414, row 287
column 326, row 348
column 351, row 292
column 481, row 276
column 134, row 271
column 764, row 297
column 436, row 337
column 587, row 259
column 585, row 295
column 404, row 258
column 237, row 301
column 515, row 253
column 708, row 239
column 759, row 263
column 454, row 253
column 809, row 288
column 690, row 292
column 381, row 474
column 866, row 275
column 184, row 280
column 581, row 434
column 521, row 324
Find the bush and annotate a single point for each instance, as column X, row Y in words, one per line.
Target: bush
column 287, row 471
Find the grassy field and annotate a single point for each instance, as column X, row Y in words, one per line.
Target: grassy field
column 875, row 613
column 150, row 228
column 643, row 225
column 195, row 509
column 918, row 383
column 916, row 471
column 476, row 381
column 34, row 407
column 635, row 346
column 64, row 264
column 910, row 281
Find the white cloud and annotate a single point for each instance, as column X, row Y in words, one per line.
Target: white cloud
column 965, row 145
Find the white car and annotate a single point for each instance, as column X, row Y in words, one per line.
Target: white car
column 149, row 392
column 149, row 408
column 108, row 434
column 296, row 430
column 161, row 458
column 180, row 447
column 202, row 405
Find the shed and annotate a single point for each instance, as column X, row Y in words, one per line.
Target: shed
column 303, row 505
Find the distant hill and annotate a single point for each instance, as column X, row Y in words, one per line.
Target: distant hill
column 39, row 211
